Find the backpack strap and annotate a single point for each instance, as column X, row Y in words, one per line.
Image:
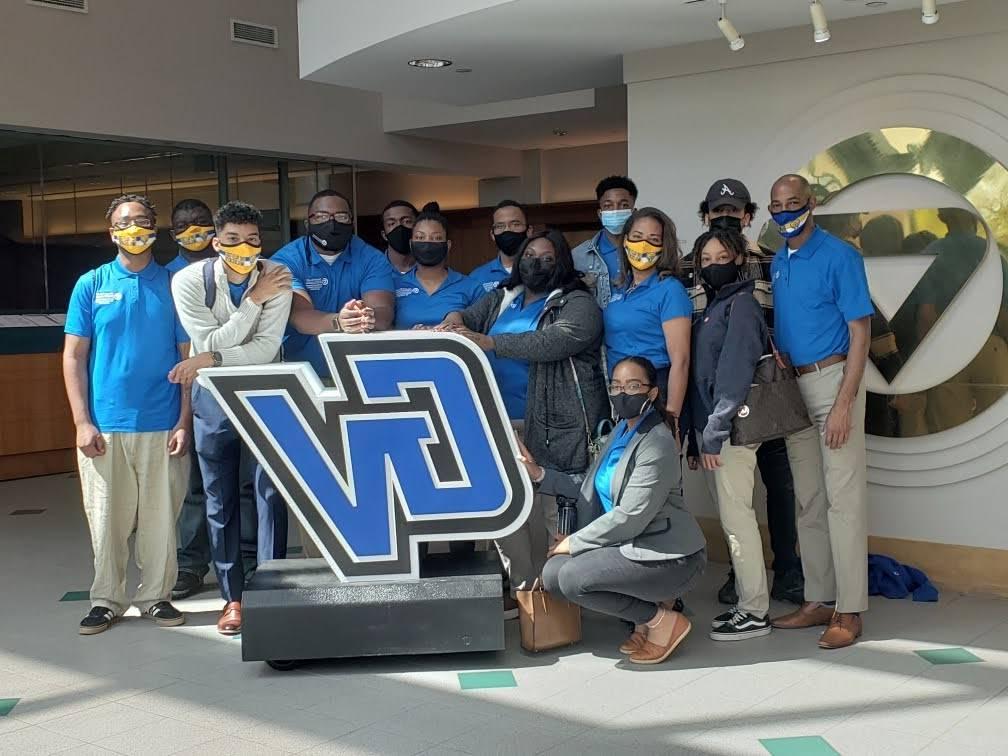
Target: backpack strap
column 209, row 284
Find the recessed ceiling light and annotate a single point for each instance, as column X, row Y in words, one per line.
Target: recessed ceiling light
column 876, row 3
column 559, row 132
column 430, row 62
column 463, row 70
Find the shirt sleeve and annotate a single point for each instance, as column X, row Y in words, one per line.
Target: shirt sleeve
column 476, row 290
column 78, row 320
column 284, row 258
column 850, row 287
column 675, row 302
column 181, row 337
column 379, row 275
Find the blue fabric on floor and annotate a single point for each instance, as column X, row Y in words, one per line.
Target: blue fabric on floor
column 889, row 578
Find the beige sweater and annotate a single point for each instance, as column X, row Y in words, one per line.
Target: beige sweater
column 249, row 334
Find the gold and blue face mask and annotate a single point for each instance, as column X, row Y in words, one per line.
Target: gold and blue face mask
column 642, row 254
column 241, row 258
column 195, row 238
column 792, row 222
column 134, row 239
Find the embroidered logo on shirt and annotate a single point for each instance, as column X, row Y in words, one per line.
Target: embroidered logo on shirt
column 406, row 291
column 314, row 284
column 490, row 285
column 107, row 297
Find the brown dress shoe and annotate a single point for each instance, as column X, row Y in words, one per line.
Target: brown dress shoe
column 652, row 653
column 230, row 621
column 843, row 630
column 633, row 643
column 811, row 614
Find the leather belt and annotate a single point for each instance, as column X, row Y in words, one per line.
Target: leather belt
column 833, row 359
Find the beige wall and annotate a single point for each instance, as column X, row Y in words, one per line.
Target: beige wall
column 571, row 173
column 168, row 72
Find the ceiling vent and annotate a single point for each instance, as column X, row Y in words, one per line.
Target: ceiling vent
column 77, row 6
column 253, row 34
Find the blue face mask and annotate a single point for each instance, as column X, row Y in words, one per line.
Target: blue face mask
column 614, row 220
column 792, row 222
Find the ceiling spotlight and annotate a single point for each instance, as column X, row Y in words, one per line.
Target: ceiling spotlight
column 430, row 62
column 559, row 132
column 735, row 41
column 819, row 21
column 929, row 12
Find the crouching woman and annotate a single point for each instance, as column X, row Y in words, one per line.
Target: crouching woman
column 637, row 548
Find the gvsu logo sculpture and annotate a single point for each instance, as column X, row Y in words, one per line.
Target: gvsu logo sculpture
column 411, row 444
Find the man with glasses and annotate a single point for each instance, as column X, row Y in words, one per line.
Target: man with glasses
column 509, row 228
column 341, row 283
column 133, row 425
column 235, row 308
column 398, row 218
column 823, row 313
column 598, row 258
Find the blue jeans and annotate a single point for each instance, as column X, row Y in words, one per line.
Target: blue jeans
column 193, row 532
column 218, row 448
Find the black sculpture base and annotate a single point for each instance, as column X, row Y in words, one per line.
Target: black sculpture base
column 297, row 609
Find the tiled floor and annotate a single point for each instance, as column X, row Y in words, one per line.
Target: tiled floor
column 138, row 689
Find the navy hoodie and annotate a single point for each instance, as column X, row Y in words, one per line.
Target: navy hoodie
column 728, row 340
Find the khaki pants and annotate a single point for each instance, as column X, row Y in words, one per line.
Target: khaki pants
column 135, row 484
column 734, row 482
column 831, row 491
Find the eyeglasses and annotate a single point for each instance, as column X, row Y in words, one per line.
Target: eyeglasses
column 323, row 217
column 142, row 221
column 515, row 225
column 633, row 387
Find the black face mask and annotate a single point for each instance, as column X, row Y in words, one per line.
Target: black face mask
column 535, row 274
column 628, row 406
column 720, row 274
column 399, row 239
column 428, row 252
column 332, row 236
column 727, row 223
column 509, row 241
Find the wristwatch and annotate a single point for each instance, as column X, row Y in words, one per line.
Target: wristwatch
column 217, row 358
column 337, row 328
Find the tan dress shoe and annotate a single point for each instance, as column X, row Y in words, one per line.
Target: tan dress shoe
column 230, row 621
column 843, row 630
column 811, row 614
column 633, row 643
column 652, row 653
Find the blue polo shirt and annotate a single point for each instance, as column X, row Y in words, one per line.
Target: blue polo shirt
column 817, row 291
column 512, row 374
column 176, row 264
column 360, row 268
column 634, row 317
column 491, row 274
column 134, row 331
column 610, row 255
column 414, row 306
column 621, row 437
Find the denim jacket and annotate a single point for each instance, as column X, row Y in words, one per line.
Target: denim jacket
column 588, row 260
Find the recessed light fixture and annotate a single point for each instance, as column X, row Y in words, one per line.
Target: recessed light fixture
column 929, row 12
column 820, row 26
column 430, row 62
column 559, row 132
column 876, row 3
column 463, row 70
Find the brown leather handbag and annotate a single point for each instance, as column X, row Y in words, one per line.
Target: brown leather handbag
column 547, row 621
column 774, row 407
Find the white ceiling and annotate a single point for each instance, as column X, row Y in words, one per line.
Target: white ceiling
column 526, row 48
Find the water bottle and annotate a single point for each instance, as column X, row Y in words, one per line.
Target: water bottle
column 566, row 515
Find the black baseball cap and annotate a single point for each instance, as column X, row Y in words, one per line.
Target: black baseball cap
column 728, row 192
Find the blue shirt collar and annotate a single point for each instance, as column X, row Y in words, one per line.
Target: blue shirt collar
column 453, row 277
column 806, row 250
column 646, row 283
column 148, row 273
column 316, row 259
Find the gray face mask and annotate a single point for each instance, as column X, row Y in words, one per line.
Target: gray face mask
column 628, row 406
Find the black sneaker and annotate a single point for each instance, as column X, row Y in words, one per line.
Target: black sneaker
column 99, row 619
column 723, row 619
column 789, row 586
column 186, row 585
column 165, row 614
column 728, row 595
column 510, row 607
column 741, row 626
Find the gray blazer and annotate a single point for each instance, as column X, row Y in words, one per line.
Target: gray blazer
column 648, row 521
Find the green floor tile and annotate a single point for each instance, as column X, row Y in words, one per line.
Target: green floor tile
column 808, row 746
column 948, row 656
column 477, row 680
column 7, row 705
column 76, row 596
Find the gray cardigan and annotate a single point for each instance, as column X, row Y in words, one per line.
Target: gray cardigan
column 648, row 521
column 569, row 330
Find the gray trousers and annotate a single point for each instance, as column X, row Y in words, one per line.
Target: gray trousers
column 606, row 581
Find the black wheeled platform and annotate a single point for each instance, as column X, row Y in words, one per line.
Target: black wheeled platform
column 297, row 609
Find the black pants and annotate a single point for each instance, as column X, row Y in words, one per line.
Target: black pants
column 775, row 470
